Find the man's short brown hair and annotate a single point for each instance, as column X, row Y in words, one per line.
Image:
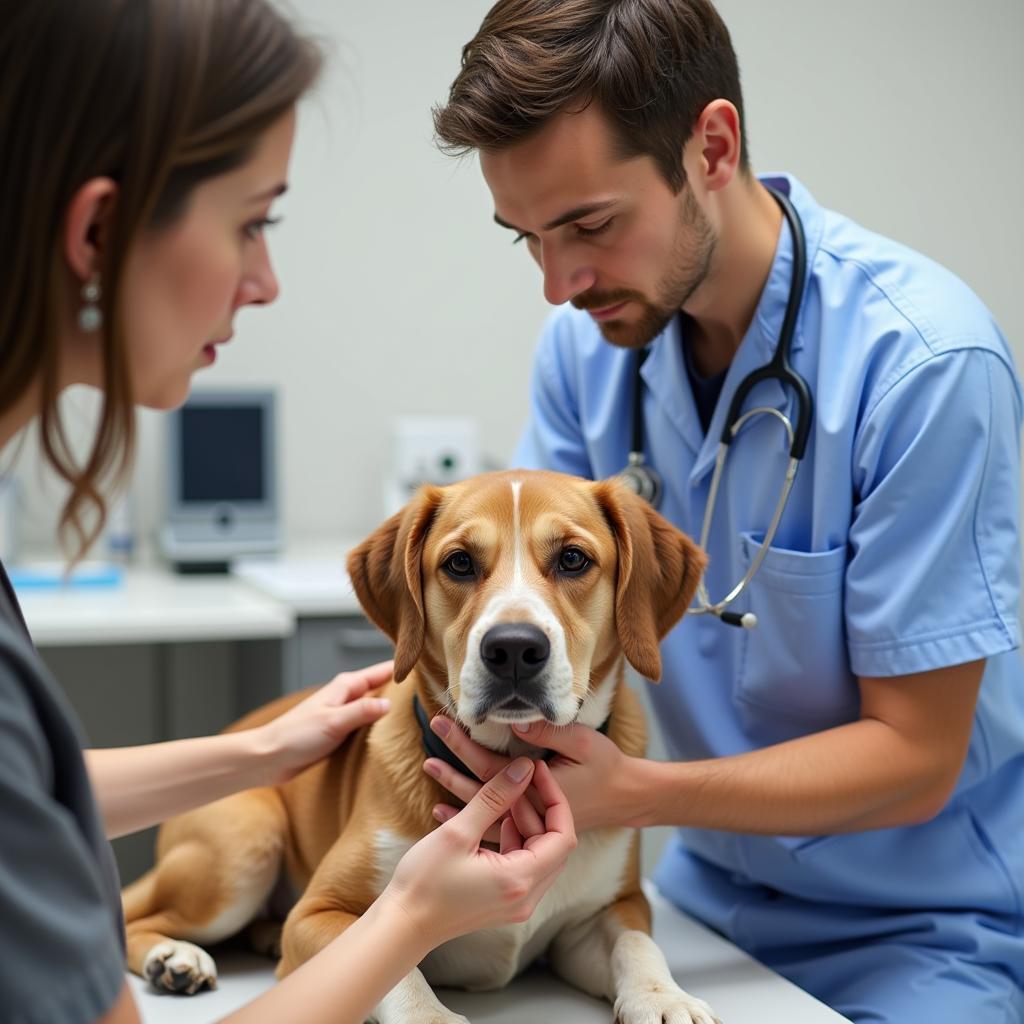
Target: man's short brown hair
column 652, row 66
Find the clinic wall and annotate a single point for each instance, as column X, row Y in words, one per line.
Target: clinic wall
column 400, row 296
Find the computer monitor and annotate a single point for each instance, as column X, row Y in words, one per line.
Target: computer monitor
column 222, row 499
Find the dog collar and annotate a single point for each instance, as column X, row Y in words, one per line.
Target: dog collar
column 436, row 747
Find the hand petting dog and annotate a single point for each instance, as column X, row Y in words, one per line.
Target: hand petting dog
column 311, row 730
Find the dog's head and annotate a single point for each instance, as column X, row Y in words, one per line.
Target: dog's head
column 516, row 593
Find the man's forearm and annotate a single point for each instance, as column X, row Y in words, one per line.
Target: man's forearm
column 856, row 776
column 140, row 786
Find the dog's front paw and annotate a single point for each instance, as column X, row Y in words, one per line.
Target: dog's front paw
column 662, row 1004
column 416, row 1012
column 180, row 967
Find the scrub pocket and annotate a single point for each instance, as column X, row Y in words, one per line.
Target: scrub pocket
column 795, row 659
column 947, row 862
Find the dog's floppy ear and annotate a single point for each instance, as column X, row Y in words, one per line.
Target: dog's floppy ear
column 659, row 568
column 387, row 576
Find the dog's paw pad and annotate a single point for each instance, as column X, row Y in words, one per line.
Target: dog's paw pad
column 180, row 967
column 661, row 1004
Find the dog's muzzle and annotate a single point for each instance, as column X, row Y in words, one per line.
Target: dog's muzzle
column 515, row 654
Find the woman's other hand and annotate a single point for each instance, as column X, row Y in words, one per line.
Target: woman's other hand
column 448, row 885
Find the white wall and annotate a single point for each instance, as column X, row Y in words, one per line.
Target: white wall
column 400, row 295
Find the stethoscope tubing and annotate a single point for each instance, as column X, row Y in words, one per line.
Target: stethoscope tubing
column 645, row 480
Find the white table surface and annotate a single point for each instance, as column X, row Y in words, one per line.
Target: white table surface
column 309, row 577
column 154, row 605
column 741, row 990
column 259, row 598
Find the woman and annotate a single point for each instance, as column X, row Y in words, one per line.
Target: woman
column 144, row 142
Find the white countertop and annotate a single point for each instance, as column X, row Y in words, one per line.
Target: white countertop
column 309, row 577
column 259, row 598
column 739, row 989
column 153, row 605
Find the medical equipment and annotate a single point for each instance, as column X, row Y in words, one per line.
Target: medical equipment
column 645, row 481
column 221, row 499
column 638, row 476
column 438, row 450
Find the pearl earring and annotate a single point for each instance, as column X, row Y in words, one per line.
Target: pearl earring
column 90, row 316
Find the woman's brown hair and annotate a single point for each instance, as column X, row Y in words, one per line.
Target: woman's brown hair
column 650, row 65
column 158, row 95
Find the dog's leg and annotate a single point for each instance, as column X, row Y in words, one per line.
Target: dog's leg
column 612, row 955
column 412, row 1001
column 215, row 868
column 312, row 925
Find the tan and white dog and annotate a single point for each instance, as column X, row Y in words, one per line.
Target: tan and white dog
column 511, row 597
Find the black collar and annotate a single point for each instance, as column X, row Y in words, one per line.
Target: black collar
column 436, row 747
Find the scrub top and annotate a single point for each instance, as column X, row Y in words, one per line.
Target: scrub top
column 61, row 930
column 898, row 552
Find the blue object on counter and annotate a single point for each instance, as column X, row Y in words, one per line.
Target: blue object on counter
column 54, row 576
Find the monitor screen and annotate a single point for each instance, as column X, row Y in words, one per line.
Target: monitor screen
column 222, row 453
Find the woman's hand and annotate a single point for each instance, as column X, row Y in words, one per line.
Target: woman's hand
column 448, row 886
column 323, row 721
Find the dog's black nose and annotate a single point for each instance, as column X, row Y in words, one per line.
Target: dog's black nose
column 516, row 651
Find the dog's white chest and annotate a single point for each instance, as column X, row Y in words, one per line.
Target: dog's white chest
column 491, row 958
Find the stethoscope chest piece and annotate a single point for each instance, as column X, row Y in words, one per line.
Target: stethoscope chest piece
column 642, row 479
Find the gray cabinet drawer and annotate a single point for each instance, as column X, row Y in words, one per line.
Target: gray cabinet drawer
column 327, row 646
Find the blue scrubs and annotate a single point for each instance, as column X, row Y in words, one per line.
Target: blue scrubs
column 899, row 552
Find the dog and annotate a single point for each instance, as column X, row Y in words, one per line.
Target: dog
column 511, row 597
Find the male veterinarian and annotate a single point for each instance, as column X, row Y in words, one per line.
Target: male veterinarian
column 849, row 782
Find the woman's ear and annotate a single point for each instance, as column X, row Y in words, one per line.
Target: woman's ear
column 86, row 225
column 658, row 572
column 387, row 576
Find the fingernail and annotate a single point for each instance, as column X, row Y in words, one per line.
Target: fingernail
column 519, row 769
column 432, row 770
column 523, row 727
column 439, row 815
column 383, row 704
column 441, row 725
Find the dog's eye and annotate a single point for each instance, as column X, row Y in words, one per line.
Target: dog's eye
column 459, row 565
column 572, row 561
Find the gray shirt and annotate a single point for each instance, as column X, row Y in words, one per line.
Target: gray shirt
column 61, row 931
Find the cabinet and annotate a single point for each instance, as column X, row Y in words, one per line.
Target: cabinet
column 324, row 645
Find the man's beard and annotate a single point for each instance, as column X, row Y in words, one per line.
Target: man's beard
column 690, row 265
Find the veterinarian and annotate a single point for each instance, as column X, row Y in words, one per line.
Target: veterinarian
column 848, row 775
column 143, row 144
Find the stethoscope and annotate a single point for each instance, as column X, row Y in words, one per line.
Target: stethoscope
column 646, row 482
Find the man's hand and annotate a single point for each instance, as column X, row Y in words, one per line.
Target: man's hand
column 590, row 769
